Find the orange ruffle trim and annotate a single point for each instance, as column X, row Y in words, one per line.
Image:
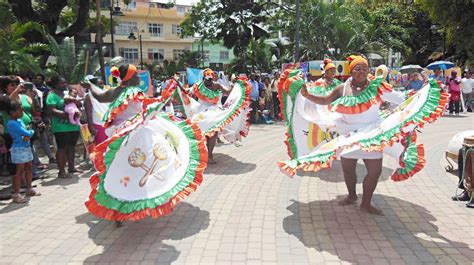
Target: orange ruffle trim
column 200, row 96
column 362, row 107
column 237, row 112
column 315, row 166
column 162, row 210
column 138, row 97
column 420, row 163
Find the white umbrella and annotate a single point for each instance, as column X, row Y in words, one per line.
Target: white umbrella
column 411, row 68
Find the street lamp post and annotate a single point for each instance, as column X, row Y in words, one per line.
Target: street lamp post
column 132, row 37
column 113, row 12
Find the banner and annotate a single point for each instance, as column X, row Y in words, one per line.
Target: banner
column 194, row 75
column 342, row 68
column 145, row 81
column 303, row 66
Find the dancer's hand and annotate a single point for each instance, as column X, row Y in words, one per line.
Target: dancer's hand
column 304, row 91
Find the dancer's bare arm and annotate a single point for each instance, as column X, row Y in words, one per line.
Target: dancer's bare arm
column 322, row 100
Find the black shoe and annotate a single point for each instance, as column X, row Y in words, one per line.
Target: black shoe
column 463, row 197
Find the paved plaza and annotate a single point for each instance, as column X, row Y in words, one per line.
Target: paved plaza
column 247, row 212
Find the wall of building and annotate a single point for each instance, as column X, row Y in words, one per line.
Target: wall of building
column 214, row 53
column 158, row 28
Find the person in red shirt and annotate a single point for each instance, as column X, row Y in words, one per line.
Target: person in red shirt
column 454, row 89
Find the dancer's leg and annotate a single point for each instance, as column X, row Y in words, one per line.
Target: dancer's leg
column 350, row 177
column 211, row 142
column 374, row 169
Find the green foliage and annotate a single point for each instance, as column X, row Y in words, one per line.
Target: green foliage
column 6, row 15
column 70, row 65
column 16, row 55
column 235, row 23
column 259, row 56
column 455, row 19
column 189, row 59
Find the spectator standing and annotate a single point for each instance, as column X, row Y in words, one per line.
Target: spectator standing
column 65, row 133
column 10, row 86
column 254, row 95
column 454, row 88
column 439, row 77
column 39, row 82
column 268, row 95
column 21, row 153
column 415, row 82
column 275, row 100
column 467, row 85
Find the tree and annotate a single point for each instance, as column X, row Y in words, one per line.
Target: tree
column 48, row 13
column 69, row 64
column 15, row 53
column 259, row 56
column 455, row 23
column 236, row 23
column 61, row 18
column 189, row 59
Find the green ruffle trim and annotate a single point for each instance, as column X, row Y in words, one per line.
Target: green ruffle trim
column 426, row 110
column 237, row 106
column 293, row 91
column 211, row 94
column 126, row 207
column 120, row 100
column 324, row 91
column 368, row 94
column 410, row 157
column 323, row 158
column 429, row 107
column 290, row 141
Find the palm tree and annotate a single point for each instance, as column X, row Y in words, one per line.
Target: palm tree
column 189, row 59
column 71, row 65
column 16, row 56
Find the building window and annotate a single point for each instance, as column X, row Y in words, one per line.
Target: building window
column 176, row 29
column 125, row 27
column 104, row 4
column 224, row 55
column 181, row 9
column 156, row 30
column 177, row 53
column 205, row 55
column 156, row 55
column 129, row 54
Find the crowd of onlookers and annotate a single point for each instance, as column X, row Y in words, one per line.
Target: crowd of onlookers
column 264, row 98
column 39, row 116
column 460, row 88
column 35, row 117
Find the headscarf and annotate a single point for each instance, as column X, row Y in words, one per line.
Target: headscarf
column 209, row 73
column 328, row 64
column 355, row 60
column 131, row 71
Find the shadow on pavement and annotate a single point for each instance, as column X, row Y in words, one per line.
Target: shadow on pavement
column 406, row 231
column 334, row 174
column 227, row 165
column 11, row 206
column 143, row 240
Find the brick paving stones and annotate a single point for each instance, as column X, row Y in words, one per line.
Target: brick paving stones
column 247, row 212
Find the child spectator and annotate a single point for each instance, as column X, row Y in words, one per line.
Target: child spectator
column 21, row 153
column 72, row 106
column 263, row 112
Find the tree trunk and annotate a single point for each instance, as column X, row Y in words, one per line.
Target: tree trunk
column 98, row 40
